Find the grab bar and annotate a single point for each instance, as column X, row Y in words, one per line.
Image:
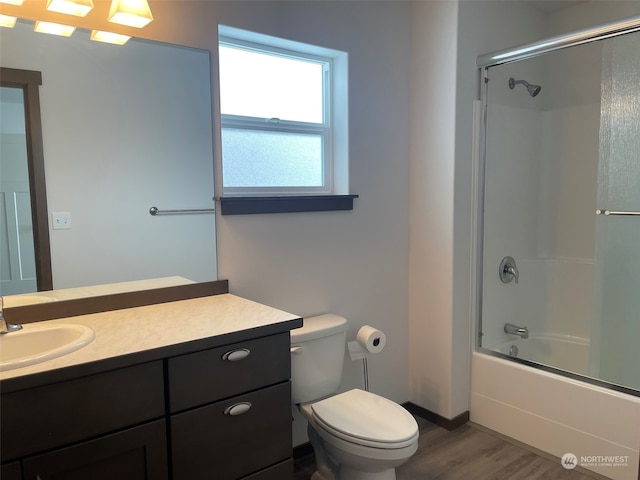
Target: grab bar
column 611, row 212
column 154, row 211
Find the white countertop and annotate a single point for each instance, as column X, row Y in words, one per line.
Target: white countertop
column 132, row 330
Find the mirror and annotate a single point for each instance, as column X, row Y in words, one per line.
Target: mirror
column 124, row 129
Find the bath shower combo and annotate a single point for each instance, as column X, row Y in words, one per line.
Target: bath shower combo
column 559, row 189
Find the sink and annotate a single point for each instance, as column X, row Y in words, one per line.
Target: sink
column 22, row 300
column 39, row 343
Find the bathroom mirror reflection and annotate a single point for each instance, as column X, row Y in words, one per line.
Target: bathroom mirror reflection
column 124, row 129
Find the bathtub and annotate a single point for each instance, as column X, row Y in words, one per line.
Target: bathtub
column 563, row 352
column 556, row 414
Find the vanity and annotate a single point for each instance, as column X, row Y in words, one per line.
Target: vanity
column 185, row 390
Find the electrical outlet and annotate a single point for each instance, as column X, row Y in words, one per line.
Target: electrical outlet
column 61, row 220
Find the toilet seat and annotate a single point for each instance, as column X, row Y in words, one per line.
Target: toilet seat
column 366, row 419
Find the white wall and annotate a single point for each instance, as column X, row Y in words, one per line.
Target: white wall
column 433, row 82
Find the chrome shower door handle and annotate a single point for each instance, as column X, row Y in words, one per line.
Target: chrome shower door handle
column 508, row 270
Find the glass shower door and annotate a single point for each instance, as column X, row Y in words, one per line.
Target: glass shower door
column 615, row 342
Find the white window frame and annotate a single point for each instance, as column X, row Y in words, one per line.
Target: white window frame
column 334, row 147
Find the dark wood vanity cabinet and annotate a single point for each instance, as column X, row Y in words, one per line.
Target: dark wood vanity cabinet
column 221, row 413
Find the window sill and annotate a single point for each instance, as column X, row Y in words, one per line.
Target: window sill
column 285, row 204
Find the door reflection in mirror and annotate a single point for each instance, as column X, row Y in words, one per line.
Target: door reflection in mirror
column 25, row 264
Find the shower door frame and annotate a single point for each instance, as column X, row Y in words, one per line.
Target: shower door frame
column 501, row 57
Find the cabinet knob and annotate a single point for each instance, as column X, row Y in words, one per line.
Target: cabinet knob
column 237, row 409
column 236, row 355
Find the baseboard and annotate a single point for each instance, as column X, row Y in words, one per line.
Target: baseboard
column 443, row 422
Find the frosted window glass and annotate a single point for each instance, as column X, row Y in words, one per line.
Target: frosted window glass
column 271, row 159
column 255, row 84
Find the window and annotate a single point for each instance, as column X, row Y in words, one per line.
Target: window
column 283, row 109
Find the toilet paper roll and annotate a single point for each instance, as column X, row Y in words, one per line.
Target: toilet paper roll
column 371, row 339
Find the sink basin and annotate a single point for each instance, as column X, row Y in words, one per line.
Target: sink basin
column 22, row 300
column 39, row 343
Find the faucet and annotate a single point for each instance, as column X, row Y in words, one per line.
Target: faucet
column 6, row 327
column 508, row 270
column 512, row 329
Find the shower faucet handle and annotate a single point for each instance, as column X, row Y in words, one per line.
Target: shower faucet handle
column 508, row 270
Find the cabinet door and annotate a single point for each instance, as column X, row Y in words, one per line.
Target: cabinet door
column 43, row 418
column 136, row 454
column 11, row 471
column 214, row 442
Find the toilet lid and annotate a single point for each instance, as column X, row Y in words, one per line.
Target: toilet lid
column 357, row 414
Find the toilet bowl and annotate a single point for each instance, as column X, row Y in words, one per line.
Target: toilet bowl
column 364, row 435
column 356, row 435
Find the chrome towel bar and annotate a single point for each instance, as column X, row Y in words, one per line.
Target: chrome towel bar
column 611, row 212
column 154, row 211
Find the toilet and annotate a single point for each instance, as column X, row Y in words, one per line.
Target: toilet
column 356, row 435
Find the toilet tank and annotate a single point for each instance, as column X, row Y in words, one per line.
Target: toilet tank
column 317, row 357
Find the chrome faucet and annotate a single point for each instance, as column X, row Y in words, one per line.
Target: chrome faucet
column 508, row 270
column 512, row 329
column 6, row 327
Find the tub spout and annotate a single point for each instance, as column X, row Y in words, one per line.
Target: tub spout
column 522, row 332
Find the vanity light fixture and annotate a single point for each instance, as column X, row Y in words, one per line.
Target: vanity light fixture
column 133, row 13
column 7, row 21
column 54, row 28
column 12, row 2
column 79, row 8
column 109, row 37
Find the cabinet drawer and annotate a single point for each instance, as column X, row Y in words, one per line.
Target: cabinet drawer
column 62, row 413
column 209, row 443
column 210, row 375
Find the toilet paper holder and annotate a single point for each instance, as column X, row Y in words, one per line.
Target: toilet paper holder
column 368, row 341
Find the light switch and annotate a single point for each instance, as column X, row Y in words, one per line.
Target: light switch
column 61, row 220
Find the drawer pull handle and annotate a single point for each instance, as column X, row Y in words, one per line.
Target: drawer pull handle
column 236, row 355
column 237, row 409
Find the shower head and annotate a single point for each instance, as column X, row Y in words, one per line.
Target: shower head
column 532, row 89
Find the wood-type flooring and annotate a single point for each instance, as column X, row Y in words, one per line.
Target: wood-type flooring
column 467, row 453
